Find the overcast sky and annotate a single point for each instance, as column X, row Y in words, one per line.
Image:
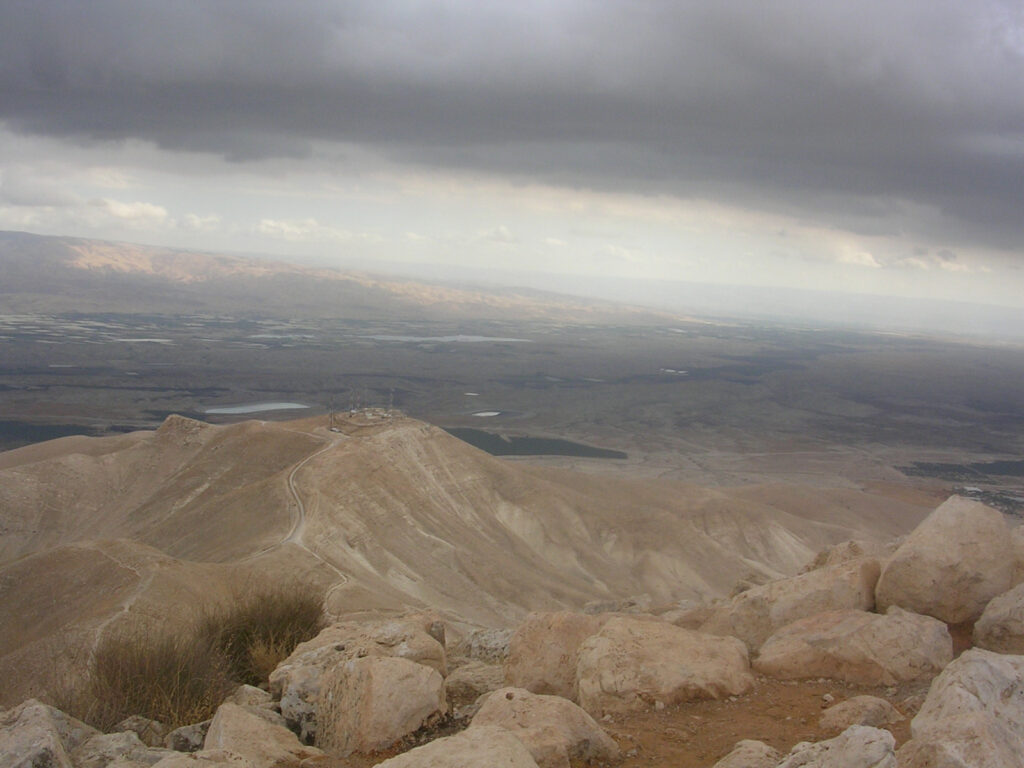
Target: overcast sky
column 873, row 146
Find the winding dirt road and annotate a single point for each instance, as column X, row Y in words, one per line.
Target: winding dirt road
column 296, row 535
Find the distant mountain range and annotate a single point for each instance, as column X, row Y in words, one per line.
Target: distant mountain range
column 68, row 274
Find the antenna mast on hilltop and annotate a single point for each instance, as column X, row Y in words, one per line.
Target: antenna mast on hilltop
column 333, row 423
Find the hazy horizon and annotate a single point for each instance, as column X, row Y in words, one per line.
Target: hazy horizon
column 779, row 305
column 804, row 146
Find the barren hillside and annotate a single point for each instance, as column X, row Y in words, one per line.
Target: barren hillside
column 382, row 514
column 68, row 274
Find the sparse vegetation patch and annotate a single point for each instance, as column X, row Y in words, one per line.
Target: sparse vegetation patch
column 257, row 631
column 181, row 675
column 174, row 678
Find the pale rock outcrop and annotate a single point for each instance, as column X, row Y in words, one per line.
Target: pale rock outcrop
column 296, row 681
column 848, row 551
column 755, row 614
column 634, row 664
column 124, row 762
column 689, row 614
column 951, row 565
column 858, row 647
column 859, row 710
column 749, row 580
column 972, row 740
column 973, row 715
column 859, row 746
column 206, row 758
column 490, row 646
column 555, row 730
column 250, row 696
column 486, row 745
column 267, row 714
column 261, row 743
column 150, row 732
column 34, row 734
column 103, row 749
column 470, row 681
column 1001, row 626
column 370, row 703
column 637, row 604
column 1017, row 542
column 543, row 650
column 750, row 754
column 188, row 738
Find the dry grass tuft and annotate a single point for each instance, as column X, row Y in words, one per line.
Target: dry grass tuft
column 256, row 632
column 180, row 676
column 171, row 678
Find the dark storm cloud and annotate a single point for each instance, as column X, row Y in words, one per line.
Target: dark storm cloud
column 814, row 108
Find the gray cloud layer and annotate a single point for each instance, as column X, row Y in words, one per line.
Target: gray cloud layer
column 826, row 109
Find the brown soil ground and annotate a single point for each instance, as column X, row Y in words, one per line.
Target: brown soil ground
column 698, row 734
column 782, row 714
column 779, row 713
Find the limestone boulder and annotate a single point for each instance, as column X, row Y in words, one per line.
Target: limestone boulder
column 973, row 715
column 124, row 762
column 951, row 565
column 473, row 679
column 369, row 703
column 754, row 615
column 267, row 714
column 750, row 754
column 858, row 647
column 490, row 646
column 633, row 664
column 188, row 738
column 296, row 681
column 637, row 604
column 859, row 746
column 1001, row 626
column 35, row 735
column 251, row 696
column 150, row 732
column 262, row 744
column 849, row 551
column 206, row 758
column 970, row 741
column 543, row 649
column 689, row 614
column 1017, row 541
column 105, row 748
column 486, row 745
column 859, row 710
column 756, row 577
column 555, row 730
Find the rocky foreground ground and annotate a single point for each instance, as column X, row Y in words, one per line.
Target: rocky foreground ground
column 928, row 631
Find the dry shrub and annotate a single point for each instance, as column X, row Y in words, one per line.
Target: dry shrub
column 173, row 678
column 257, row 631
column 180, row 676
